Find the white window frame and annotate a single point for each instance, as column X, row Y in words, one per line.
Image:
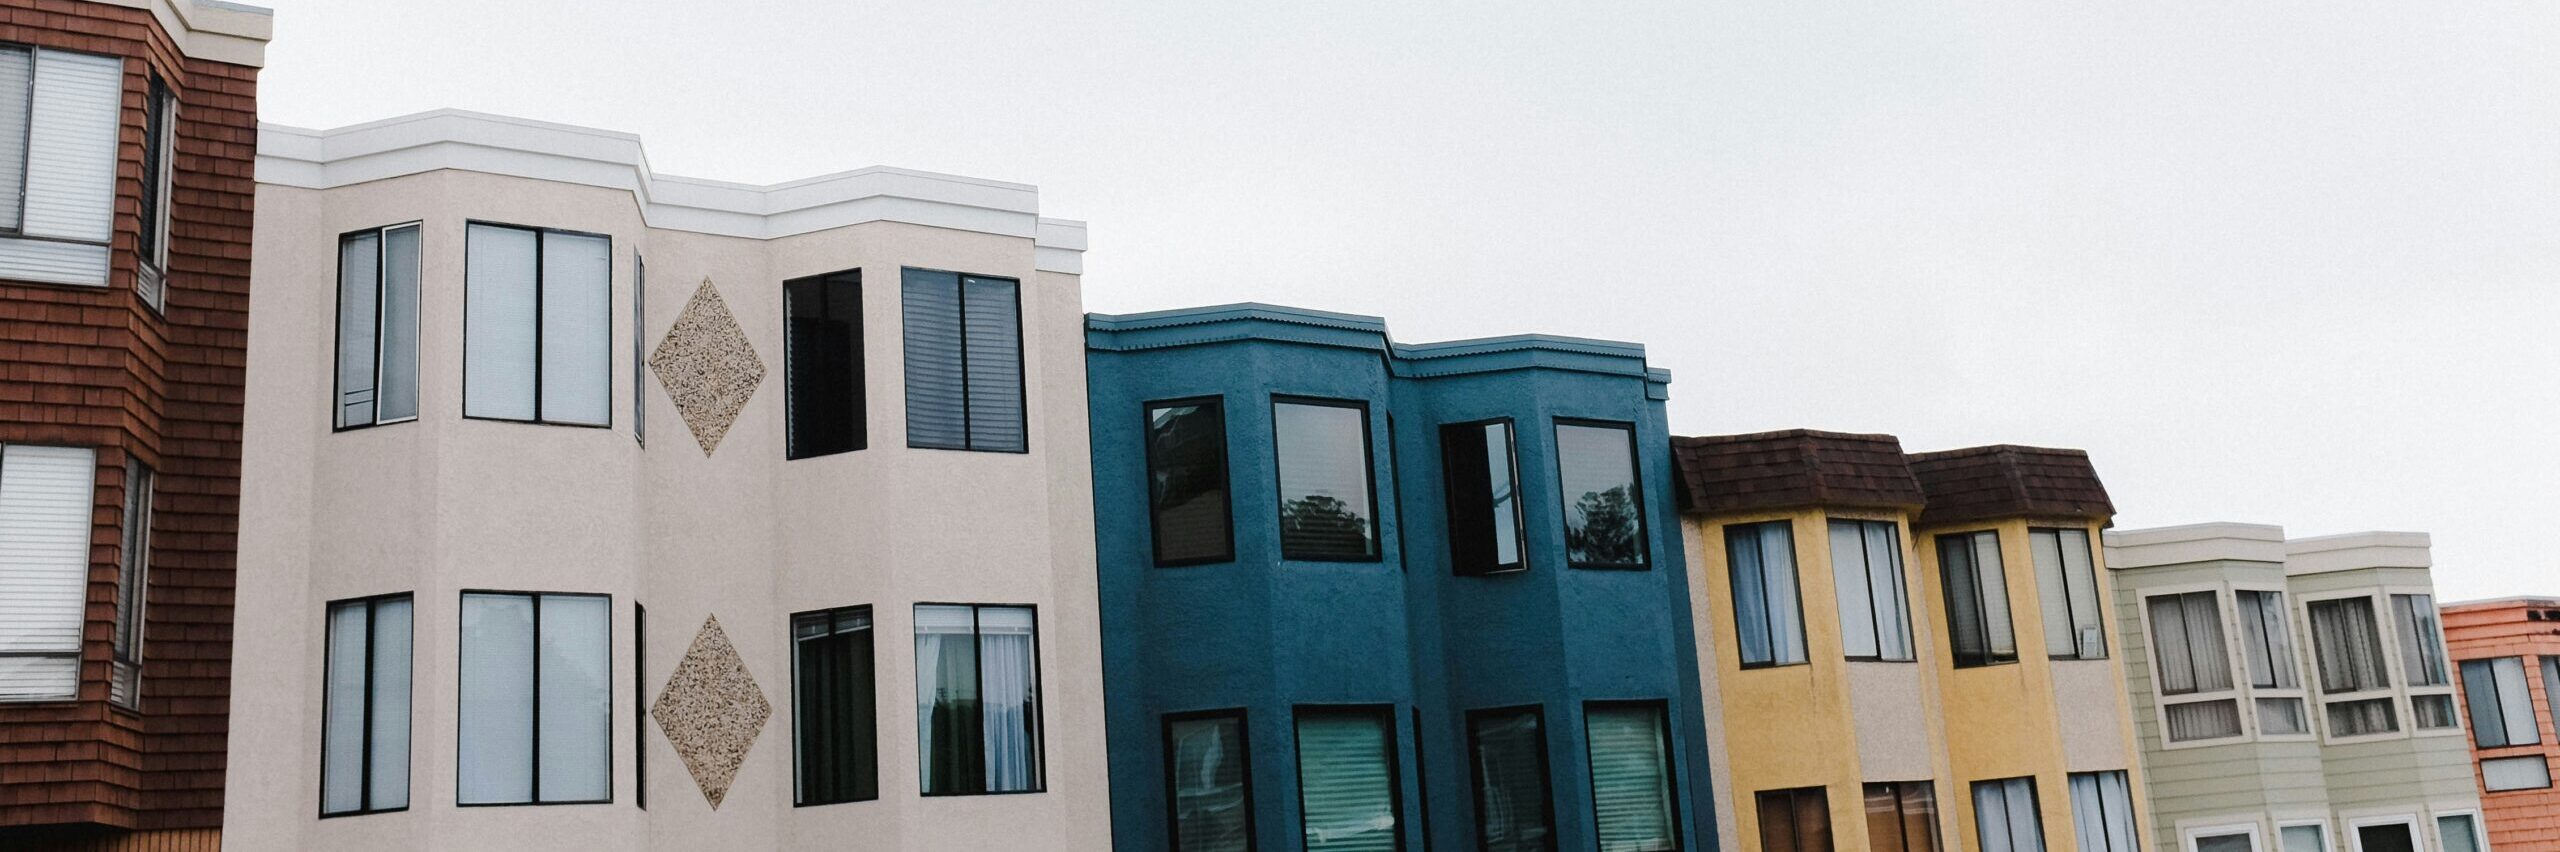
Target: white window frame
column 2328, row 838
column 417, row 327
column 78, row 652
column 2407, row 686
column 2188, row 835
column 2394, row 693
column 2160, row 701
column 2356, row 826
column 152, row 274
column 2438, row 811
column 2312, row 720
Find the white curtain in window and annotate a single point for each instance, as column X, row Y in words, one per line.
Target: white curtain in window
column 2355, row 718
column 2203, row 720
column 498, row 322
column 1892, row 594
column 576, row 691
column 342, row 726
column 2266, row 640
column 1631, row 780
column 1767, row 605
column 391, row 640
column 577, row 329
column 1346, row 782
column 2282, row 716
column 359, row 289
column 2187, row 632
column 946, row 694
column 2501, row 703
column 2102, row 812
column 1005, row 667
column 398, row 390
column 2004, row 812
column 2066, row 583
column 2345, row 640
column 991, row 316
column 1853, row 589
column 47, row 495
column 494, row 760
column 2305, row 838
column 2421, row 642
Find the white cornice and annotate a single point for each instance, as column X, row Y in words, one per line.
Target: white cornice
column 2351, row 551
column 212, row 29
column 479, row 142
column 2193, row 543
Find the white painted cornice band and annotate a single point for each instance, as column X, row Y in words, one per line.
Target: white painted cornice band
column 212, row 29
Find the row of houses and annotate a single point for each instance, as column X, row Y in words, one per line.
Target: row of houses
column 358, row 490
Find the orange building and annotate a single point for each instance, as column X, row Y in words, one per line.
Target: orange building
column 2509, row 651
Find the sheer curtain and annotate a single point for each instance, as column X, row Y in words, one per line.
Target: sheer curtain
column 1767, row 608
column 2421, row 642
column 2305, row 838
column 2102, row 812
column 1853, row 591
column 2348, row 645
column 1012, row 718
column 1892, row 594
column 947, row 699
column 2004, row 812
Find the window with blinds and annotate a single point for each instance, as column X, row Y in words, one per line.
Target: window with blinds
column 2067, row 586
column 1797, row 820
column 2006, row 817
column 963, row 342
column 1977, row 590
column 1631, row 785
column 2191, row 667
column 1768, row 609
column 537, row 325
column 377, row 326
column 822, row 353
column 2102, row 812
column 1866, row 575
column 1209, row 781
column 834, row 724
column 1508, row 750
column 364, row 713
column 47, row 495
column 1187, row 498
column 1603, row 505
column 1480, row 469
column 1902, row 816
column 536, row 715
column 1348, row 792
column 1327, row 509
column 133, row 576
column 61, row 120
column 159, row 122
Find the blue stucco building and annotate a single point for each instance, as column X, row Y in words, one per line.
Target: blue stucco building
column 1363, row 595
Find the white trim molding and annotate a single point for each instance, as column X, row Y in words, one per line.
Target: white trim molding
column 212, row 29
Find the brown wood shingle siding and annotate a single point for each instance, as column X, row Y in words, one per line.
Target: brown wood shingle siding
column 1792, row 469
column 2009, row 481
column 2517, row 819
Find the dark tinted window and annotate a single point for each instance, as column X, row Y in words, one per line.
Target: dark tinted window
column 1509, row 750
column 1482, row 480
column 823, row 376
column 834, row 725
column 1187, row 481
column 1326, row 510
column 1603, row 514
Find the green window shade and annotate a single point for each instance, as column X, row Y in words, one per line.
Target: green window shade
column 1347, row 780
column 1211, row 789
column 1631, row 779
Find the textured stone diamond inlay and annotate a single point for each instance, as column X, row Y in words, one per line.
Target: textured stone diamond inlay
column 711, row 711
column 707, row 367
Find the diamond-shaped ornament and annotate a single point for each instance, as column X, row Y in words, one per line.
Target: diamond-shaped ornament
column 711, row 711
column 707, row 367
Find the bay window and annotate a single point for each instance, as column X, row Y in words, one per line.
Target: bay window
column 2006, row 816
column 47, row 495
column 2067, row 586
column 978, row 699
column 1768, row 611
column 133, row 584
column 1210, row 781
column 1191, row 515
column 1797, row 820
column 61, row 123
column 2525, row 772
column 1508, row 750
column 1328, row 510
column 1631, row 788
column 2422, row 661
column 963, row 349
column 822, row 358
column 159, row 125
column 2102, row 812
column 1350, row 798
column 537, row 325
column 1902, row 816
column 1866, row 574
column 2266, row 643
column 1603, row 505
column 377, row 369
column 1481, row 470
column 1977, row 589
column 536, row 720
column 2192, row 667
column 364, row 727
column 2501, row 703
column 2355, row 680
column 835, row 719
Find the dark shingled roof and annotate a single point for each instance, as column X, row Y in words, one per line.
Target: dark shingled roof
column 1794, row 469
column 2009, row 481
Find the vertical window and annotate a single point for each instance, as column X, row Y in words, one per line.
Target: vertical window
column 1509, row 750
column 378, row 326
column 1768, row 612
column 47, row 495
column 1902, row 816
column 1797, row 820
column 364, row 727
column 61, row 123
column 1210, row 781
column 159, row 121
column 2422, row 661
column 2500, row 774
column 2006, row 816
column 2266, row 642
column 964, row 361
column 2102, row 812
column 1327, row 509
column 2501, row 703
column 1187, row 482
column 2304, row 838
column 537, row 699
column 1603, row 505
column 537, row 325
column 834, row 726
column 1482, row 475
column 1631, row 788
column 639, row 355
column 823, row 353
column 2551, row 688
column 640, row 704
column 2387, row 837
column 1866, row 572
column 1977, row 589
column 2067, row 583
column 1348, row 791
column 133, row 578
column 978, row 699
column 2460, row 833
column 2192, row 667
column 2347, row 643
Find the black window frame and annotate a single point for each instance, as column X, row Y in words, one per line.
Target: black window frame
column 1901, row 791
column 1021, row 356
column 639, row 352
column 1368, row 469
column 533, row 752
column 1244, row 754
column 2097, row 590
column 1990, row 655
column 860, row 403
column 1226, row 478
column 1661, row 708
column 538, row 323
column 1793, row 799
column 1476, row 776
column 1635, row 494
column 1039, row 715
column 338, row 336
column 366, row 769
column 2035, row 801
column 800, row 769
column 1450, row 494
column 2472, row 698
column 640, row 705
column 1385, row 714
column 1795, row 568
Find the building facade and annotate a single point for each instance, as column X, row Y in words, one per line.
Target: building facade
column 2507, row 659
column 2292, row 695
column 1867, row 629
column 710, row 515
column 1362, row 595
column 126, row 133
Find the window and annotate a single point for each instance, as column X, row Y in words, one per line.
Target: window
column 1603, row 507
column 978, row 699
column 1508, row 749
column 1327, row 511
column 1187, row 500
column 364, row 710
column 2501, row 703
column 537, row 331
column 640, row 705
column 1978, row 622
column 2102, row 812
column 964, row 361
column 2500, row 774
column 58, row 161
column 537, row 699
column 2006, row 816
column 1483, row 478
column 2551, row 688
column 1768, row 613
column 2422, row 661
column 1902, row 816
column 1631, row 788
column 2190, row 661
column 639, row 357
column 1348, row 792
column 46, row 497
column 2399, row 835
column 835, row 727
column 2225, row 838
column 2348, row 647
column 378, row 326
column 133, row 576
column 1210, row 780
column 2460, row 832
column 2067, row 582
column 823, row 353
column 1797, row 820
column 2306, row 837
column 159, row 122
column 2266, row 642
column 1866, row 571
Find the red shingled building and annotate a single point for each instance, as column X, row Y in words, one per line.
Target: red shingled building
column 2509, row 651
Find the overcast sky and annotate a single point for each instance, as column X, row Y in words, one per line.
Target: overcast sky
column 2293, row 265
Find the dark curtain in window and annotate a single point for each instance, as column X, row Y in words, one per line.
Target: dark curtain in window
column 1795, row 820
column 836, row 722
column 823, row 374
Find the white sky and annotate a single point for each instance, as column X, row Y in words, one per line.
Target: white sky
column 2291, row 263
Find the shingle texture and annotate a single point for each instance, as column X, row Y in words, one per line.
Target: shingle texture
column 2530, row 630
column 2009, row 481
column 1792, row 469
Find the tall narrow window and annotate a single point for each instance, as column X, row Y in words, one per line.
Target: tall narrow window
column 364, row 728
column 1481, row 475
column 1348, row 792
column 1977, row 588
column 378, row 326
column 1768, row 612
column 640, row 705
column 1210, row 781
column 2067, row 584
column 1509, row 750
column 2006, row 817
column 2551, row 687
column 1797, row 820
column 1866, row 574
column 2266, row 642
column 133, row 579
column 1902, row 816
column 2501, row 703
column 978, row 699
column 1187, row 481
column 46, row 497
column 964, row 361
column 2102, row 812
column 537, row 699
column 1631, row 786
column 61, row 119
column 1327, row 509
column 537, row 325
column 2422, row 661
column 159, row 124
column 2347, row 643
column 823, row 350
column 639, row 355
column 835, row 727
column 2193, row 667
column 1603, row 505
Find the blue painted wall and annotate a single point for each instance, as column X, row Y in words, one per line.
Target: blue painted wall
column 1266, row 635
